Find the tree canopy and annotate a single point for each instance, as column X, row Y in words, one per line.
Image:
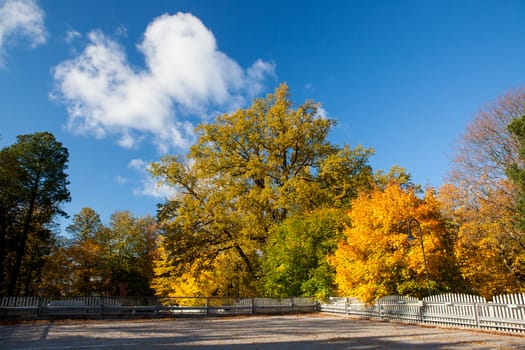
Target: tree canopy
column 264, row 204
column 247, row 172
column 375, row 259
column 33, row 185
column 483, row 199
column 98, row 259
column 295, row 262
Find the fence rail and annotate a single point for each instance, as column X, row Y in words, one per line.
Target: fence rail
column 93, row 307
column 504, row 313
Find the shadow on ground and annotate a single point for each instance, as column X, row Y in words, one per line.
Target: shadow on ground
column 276, row 332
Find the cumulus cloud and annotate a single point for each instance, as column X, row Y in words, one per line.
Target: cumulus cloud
column 185, row 76
column 21, row 20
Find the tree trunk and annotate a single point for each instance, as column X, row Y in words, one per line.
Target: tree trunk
column 22, row 247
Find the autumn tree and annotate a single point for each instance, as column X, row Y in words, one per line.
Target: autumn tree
column 220, row 278
column 98, row 259
column 57, row 272
column 85, row 253
column 249, row 171
column 485, row 255
column 374, row 259
column 482, row 200
column 516, row 172
column 129, row 246
column 34, row 185
column 487, row 147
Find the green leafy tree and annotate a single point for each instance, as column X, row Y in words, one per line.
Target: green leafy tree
column 86, row 225
column 10, row 201
column 516, row 170
column 249, row 171
column 295, row 260
column 129, row 248
column 34, row 185
column 516, row 173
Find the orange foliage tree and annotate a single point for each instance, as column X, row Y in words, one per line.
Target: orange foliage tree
column 375, row 259
column 485, row 247
column 483, row 202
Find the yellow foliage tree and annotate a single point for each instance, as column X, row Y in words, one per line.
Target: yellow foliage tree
column 166, row 284
column 486, row 249
column 248, row 172
column 375, row 259
column 484, row 202
column 220, row 278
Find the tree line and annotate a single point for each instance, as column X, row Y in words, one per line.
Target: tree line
column 266, row 205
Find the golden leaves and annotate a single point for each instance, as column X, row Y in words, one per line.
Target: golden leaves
column 248, row 172
column 375, row 259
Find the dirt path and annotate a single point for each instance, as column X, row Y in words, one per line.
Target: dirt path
column 257, row 332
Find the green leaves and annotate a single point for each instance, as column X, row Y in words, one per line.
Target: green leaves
column 294, row 262
column 33, row 186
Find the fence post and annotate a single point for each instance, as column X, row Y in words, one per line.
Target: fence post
column 207, row 305
column 346, row 306
column 476, row 315
column 38, row 306
column 421, row 305
column 102, row 306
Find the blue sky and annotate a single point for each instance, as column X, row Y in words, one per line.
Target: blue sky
column 120, row 83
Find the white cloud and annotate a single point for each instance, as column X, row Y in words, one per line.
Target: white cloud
column 321, row 112
column 72, row 35
column 149, row 186
column 185, row 75
column 21, row 20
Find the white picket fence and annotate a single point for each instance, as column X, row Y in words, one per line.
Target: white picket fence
column 89, row 307
column 503, row 313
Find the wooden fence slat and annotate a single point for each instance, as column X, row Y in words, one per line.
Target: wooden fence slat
column 505, row 313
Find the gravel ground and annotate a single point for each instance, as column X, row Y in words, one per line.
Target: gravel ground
column 256, row 332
